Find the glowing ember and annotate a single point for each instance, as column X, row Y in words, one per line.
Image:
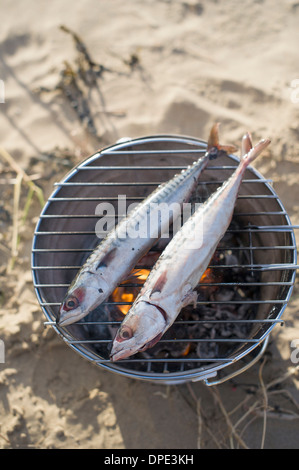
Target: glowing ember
column 141, row 273
column 186, row 350
column 210, row 276
column 207, row 276
column 129, row 294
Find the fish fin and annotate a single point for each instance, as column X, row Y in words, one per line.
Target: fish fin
column 246, row 144
column 159, row 284
column 228, row 148
column 252, row 152
column 213, row 140
column 213, row 143
column 190, row 298
column 107, row 258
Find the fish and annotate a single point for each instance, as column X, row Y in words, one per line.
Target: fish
column 116, row 255
column 171, row 283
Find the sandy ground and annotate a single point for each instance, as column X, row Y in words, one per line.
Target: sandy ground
column 169, row 67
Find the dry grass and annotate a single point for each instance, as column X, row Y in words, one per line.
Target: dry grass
column 253, row 407
column 20, row 215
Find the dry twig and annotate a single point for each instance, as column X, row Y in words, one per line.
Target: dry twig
column 15, row 231
column 16, row 167
column 199, row 418
column 265, row 399
column 33, row 189
column 5, row 438
column 232, row 428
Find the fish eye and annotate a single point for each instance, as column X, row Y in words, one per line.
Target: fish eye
column 125, row 333
column 71, row 303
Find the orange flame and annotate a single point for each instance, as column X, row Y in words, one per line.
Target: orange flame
column 207, row 276
column 129, row 294
column 141, row 274
column 186, row 350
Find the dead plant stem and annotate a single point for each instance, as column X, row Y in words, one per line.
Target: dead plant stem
column 227, row 419
column 264, row 391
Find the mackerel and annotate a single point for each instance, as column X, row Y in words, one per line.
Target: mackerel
column 171, row 284
column 114, row 258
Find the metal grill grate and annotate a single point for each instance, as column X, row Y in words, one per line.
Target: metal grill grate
column 264, row 245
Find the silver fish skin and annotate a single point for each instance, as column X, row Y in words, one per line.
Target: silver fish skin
column 171, row 283
column 115, row 257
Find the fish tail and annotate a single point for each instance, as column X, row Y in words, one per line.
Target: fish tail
column 250, row 153
column 214, row 147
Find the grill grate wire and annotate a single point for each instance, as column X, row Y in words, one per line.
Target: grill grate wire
column 66, row 194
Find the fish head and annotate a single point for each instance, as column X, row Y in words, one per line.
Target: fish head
column 141, row 329
column 81, row 299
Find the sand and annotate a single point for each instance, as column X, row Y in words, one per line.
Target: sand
column 169, row 67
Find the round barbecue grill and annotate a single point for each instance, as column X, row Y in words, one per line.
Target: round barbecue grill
column 241, row 296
